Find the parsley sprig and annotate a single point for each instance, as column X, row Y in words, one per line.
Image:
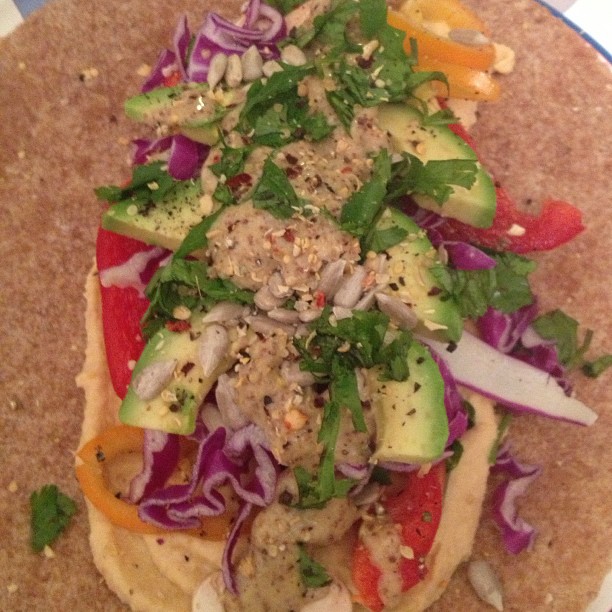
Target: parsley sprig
column 51, row 511
column 332, row 352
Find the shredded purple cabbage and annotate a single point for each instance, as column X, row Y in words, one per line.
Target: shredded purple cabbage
column 242, row 460
column 512, row 334
column 518, row 535
column 160, row 458
column 263, row 26
column 453, row 402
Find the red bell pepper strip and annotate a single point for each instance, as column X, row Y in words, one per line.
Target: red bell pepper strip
column 514, row 230
column 417, row 508
column 122, row 309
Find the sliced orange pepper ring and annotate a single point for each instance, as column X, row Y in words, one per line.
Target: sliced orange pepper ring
column 479, row 57
column 112, row 443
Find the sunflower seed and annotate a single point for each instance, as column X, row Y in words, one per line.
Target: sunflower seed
column 293, row 55
column 216, row 69
column 401, row 314
column 270, row 67
column 152, row 379
column 467, row 36
column 233, row 72
column 222, row 312
column 331, row 278
column 265, row 325
column 351, row 288
column 230, row 412
column 486, row 583
column 213, row 347
column 252, row 64
column 265, row 300
column 291, row 317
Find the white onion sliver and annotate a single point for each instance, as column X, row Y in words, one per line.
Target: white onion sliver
column 512, row 382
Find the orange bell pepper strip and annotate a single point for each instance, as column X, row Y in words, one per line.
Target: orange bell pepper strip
column 429, row 45
column 463, row 82
column 451, row 12
column 112, row 443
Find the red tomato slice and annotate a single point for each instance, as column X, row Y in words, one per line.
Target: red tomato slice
column 417, row 507
column 514, row 230
column 122, row 309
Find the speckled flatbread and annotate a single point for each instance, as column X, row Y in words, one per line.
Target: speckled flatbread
column 64, row 75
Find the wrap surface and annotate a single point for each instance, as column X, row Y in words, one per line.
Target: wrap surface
column 64, row 76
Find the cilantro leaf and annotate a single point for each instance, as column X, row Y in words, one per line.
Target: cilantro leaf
column 562, row 329
column 150, row 183
column 313, row 574
column 275, row 193
column 185, row 282
column 434, row 178
column 276, row 90
column 363, row 207
column 51, row 511
column 504, row 287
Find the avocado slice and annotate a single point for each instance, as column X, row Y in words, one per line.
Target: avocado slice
column 189, row 108
column 174, row 359
column 410, row 278
column 411, row 421
column 164, row 223
column 475, row 206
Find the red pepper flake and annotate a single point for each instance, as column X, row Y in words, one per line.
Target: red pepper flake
column 289, row 235
column 346, row 170
column 178, row 326
column 319, row 299
column 239, row 180
column 293, row 172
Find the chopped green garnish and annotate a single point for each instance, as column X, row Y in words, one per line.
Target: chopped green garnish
column 274, row 192
column 502, row 427
column 313, row 574
column 51, row 511
column 562, row 329
column 150, row 183
column 504, row 287
column 186, row 282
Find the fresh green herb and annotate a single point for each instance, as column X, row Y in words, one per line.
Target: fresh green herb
column 562, row 329
column 51, row 511
column 185, row 282
column 150, row 184
column 275, row 193
column 457, row 452
column 504, row 287
column 502, row 427
column 380, row 475
column 363, row 207
column 196, row 238
column 292, row 120
column 285, row 6
column 277, row 89
column 231, row 162
column 435, row 178
column 379, row 240
column 332, row 353
column 313, row 574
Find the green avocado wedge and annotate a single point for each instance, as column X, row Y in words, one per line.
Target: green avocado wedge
column 474, row 206
column 410, row 264
column 190, row 109
column 164, row 223
column 411, row 421
column 177, row 380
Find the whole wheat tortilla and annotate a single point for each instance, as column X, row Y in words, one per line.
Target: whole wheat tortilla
column 63, row 77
